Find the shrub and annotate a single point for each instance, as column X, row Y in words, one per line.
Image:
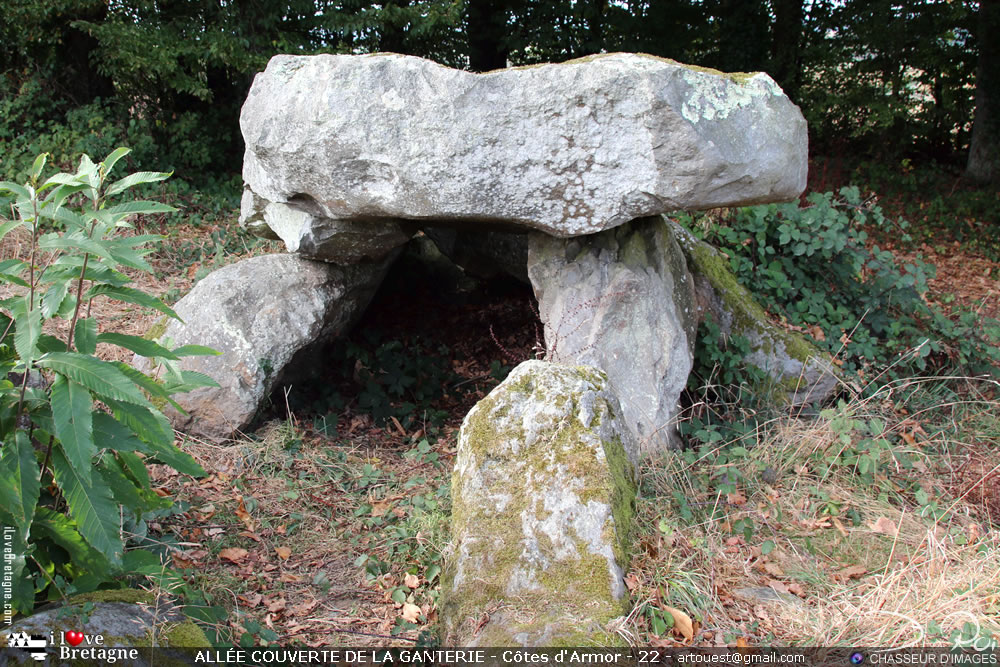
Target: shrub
column 811, row 266
column 77, row 431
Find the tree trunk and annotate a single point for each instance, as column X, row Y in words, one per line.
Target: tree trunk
column 786, row 46
column 984, row 149
column 487, row 33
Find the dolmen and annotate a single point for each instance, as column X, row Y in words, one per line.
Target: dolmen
column 561, row 175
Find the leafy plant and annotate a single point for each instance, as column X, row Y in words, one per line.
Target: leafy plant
column 812, row 266
column 77, row 431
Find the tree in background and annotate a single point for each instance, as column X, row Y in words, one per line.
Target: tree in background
column 873, row 77
column 882, row 74
column 984, row 150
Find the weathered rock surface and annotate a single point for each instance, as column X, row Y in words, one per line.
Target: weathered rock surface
column 261, row 313
column 543, row 499
column 306, row 231
column 802, row 373
column 124, row 618
column 485, row 253
column 623, row 301
column 568, row 149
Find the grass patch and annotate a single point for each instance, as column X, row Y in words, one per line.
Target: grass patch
column 782, row 536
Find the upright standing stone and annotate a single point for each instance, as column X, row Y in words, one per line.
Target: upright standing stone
column 623, row 301
column 543, row 497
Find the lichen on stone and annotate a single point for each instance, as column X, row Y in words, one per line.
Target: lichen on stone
column 543, row 500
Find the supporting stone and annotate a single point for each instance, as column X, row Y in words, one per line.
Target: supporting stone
column 623, row 301
column 800, row 371
column 263, row 314
column 543, row 500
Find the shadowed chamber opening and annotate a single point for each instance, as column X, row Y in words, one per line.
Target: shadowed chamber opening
column 433, row 341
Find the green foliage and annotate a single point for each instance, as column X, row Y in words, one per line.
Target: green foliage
column 71, row 423
column 886, row 77
column 390, row 379
column 811, row 266
column 939, row 207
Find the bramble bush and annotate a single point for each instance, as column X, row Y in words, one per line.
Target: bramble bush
column 77, row 432
column 810, row 265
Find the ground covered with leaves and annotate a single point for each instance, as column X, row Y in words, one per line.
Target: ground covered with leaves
column 873, row 522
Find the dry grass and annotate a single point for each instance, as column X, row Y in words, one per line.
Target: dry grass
column 859, row 563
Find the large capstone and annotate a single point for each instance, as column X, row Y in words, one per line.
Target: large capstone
column 567, row 149
column 264, row 315
column 623, row 301
column 543, row 497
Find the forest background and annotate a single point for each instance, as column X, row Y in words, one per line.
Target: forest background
column 904, row 125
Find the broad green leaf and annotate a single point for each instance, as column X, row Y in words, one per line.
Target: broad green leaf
column 98, row 376
column 88, row 171
column 53, row 298
column 140, row 559
column 153, row 387
column 90, row 505
column 61, row 179
column 7, row 226
column 137, row 240
column 132, row 295
column 189, row 380
column 143, row 381
column 130, row 258
column 178, row 460
column 74, row 241
column 196, row 350
column 73, row 422
column 55, row 211
column 109, row 433
column 136, row 468
column 29, row 328
column 63, row 531
column 112, row 159
column 122, row 488
column 68, row 268
column 19, row 485
column 11, row 269
column 140, row 207
column 47, row 343
column 136, row 179
column 18, row 191
column 141, row 346
column 85, row 335
column 146, row 422
column 37, row 166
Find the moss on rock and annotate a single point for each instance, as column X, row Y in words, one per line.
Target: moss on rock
column 543, row 500
column 799, row 370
